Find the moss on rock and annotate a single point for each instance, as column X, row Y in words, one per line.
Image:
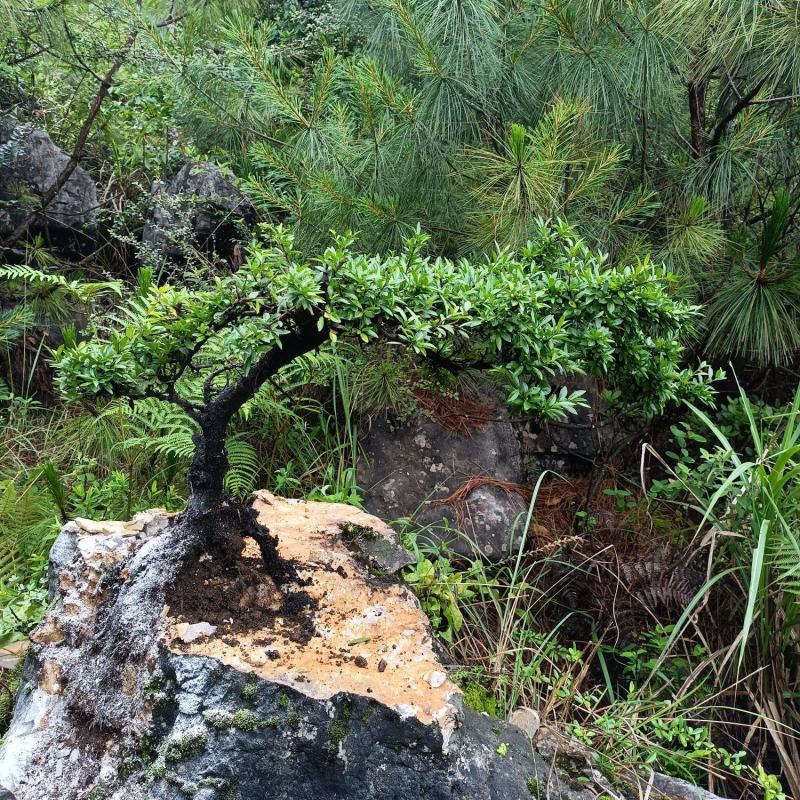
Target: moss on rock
column 189, row 743
column 337, row 732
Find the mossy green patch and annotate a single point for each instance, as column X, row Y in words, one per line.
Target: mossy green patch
column 366, row 716
column 155, row 682
column 220, row 784
column 147, row 748
column 573, row 770
column 337, row 732
column 12, row 680
column 161, row 700
column 250, row 690
column 241, row 720
column 246, row 720
column 479, row 699
column 185, row 746
column 569, row 764
column 351, row 532
column 127, row 765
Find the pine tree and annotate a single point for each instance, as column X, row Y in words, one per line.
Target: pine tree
column 656, row 128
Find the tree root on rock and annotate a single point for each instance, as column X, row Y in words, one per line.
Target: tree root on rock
column 106, row 680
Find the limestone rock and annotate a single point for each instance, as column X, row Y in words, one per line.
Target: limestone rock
column 200, row 205
column 259, row 712
column 190, row 632
column 30, row 163
column 411, row 466
column 676, row 788
column 527, row 719
column 275, row 708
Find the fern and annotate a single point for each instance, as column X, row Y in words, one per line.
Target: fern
column 29, row 521
column 159, row 429
column 244, row 466
column 82, row 291
column 154, row 427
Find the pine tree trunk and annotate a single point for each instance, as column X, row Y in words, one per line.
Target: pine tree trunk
column 697, row 117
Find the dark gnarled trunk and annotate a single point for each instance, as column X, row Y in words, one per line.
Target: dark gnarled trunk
column 209, row 465
column 218, row 520
column 210, row 512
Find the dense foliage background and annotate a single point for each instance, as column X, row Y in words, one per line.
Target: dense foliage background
column 663, row 132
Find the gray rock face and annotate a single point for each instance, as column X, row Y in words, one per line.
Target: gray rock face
column 677, row 788
column 201, row 206
column 284, row 745
column 30, row 163
column 410, row 467
column 216, row 733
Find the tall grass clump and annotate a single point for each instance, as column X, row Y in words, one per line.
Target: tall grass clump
column 749, row 506
column 689, row 694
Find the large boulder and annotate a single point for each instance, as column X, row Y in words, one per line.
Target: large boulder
column 326, row 688
column 468, row 486
column 157, row 678
column 30, row 164
column 448, row 480
column 199, row 207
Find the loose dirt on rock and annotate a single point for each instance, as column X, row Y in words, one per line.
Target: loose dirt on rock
column 237, row 596
column 343, row 625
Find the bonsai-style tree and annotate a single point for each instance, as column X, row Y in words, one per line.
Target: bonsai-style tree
column 553, row 308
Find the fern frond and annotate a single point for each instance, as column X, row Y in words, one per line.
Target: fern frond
column 80, row 290
column 28, row 524
column 244, row 466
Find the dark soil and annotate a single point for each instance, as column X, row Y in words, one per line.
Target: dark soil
column 234, row 520
column 215, row 590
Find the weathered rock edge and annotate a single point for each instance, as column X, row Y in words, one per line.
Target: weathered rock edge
column 201, row 728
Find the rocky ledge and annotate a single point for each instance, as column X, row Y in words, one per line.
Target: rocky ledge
column 328, row 686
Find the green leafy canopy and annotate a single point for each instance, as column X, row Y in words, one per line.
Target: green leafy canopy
column 551, row 309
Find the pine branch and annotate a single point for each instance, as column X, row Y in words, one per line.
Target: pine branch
column 740, row 105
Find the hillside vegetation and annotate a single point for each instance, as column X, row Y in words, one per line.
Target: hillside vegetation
column 391, row 205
